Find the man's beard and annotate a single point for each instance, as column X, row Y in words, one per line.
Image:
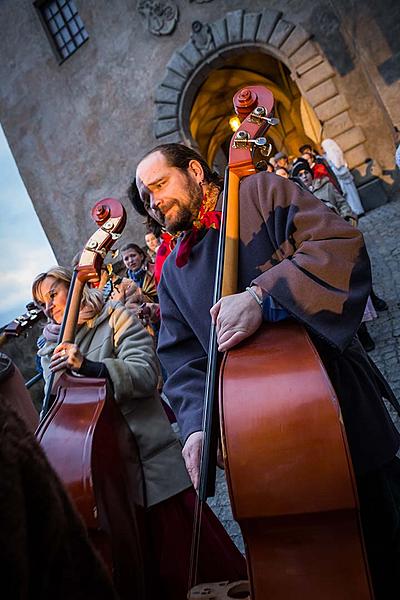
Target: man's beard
column 185, row 215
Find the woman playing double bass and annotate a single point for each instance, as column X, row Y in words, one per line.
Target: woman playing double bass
column 111, row 343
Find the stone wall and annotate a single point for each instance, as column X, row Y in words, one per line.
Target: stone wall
column 77, row 129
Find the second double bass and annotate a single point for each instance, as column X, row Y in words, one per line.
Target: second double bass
column 88, row 442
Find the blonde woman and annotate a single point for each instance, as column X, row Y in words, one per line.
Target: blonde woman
column 110, row 342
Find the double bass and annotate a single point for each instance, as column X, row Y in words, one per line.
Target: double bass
column 88, row 442
column 20, row 324
column 288, row 467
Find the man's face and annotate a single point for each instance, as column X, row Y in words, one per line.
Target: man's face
column 306, row 177
column 171, row 196
column 309, row 158
column 282, row 162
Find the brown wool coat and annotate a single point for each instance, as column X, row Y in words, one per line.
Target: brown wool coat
column 117, row 339
column 305, row 256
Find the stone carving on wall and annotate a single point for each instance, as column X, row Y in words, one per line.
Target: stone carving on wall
column 161, row 17
column 200, row 1
column 202, row 37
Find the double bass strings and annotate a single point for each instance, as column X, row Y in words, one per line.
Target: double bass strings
column 194, row 551
column 210, row 417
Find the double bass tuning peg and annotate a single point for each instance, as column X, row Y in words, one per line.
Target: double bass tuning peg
column 243, row 140
column 260, row 114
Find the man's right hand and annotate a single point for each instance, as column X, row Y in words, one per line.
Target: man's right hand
column 191, row 453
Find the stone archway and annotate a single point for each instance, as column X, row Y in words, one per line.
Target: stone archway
column 212, row 118
column 268, row 32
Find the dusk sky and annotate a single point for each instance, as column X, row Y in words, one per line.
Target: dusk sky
column 24, row 248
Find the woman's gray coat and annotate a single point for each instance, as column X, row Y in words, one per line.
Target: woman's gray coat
column 116, row 338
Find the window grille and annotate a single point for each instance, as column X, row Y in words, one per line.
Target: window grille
column 64, row 25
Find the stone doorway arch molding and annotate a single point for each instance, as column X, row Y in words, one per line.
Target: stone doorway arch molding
column 269, row 32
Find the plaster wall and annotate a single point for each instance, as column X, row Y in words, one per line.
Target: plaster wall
column 77, row 130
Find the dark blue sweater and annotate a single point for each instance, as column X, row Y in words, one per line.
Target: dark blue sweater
column 314, row 265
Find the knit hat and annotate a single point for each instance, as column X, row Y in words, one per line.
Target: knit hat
column 300, row 165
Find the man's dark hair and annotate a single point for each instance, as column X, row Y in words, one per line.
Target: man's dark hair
column 134, row 197
column 179, row 156
column 151, row 224
column 306, row 148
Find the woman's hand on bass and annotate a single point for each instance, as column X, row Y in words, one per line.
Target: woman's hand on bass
column 66, row 356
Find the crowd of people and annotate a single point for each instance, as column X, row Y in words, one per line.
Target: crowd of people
column 319, row 274
column 328, row 177
column 329, row 168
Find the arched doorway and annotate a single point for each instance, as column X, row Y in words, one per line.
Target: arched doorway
column 210, row 120
column 289, row 48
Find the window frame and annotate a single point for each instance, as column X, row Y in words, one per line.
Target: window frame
column 40, row 5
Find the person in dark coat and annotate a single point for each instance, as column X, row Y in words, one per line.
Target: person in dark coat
column 297, row 259
column 323, row 189
column 45, row 551
column 309, row 151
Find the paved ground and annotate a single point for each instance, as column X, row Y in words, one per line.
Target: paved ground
column 381, row 228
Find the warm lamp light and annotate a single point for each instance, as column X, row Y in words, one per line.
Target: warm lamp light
column 234, row 123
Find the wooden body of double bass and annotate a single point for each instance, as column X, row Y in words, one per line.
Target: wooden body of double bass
column 90, row 446
column 289, row 471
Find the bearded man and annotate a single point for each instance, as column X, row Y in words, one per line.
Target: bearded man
column 297, row 259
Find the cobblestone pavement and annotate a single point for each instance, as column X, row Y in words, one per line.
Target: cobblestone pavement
column 381, row 229
column 381, row 232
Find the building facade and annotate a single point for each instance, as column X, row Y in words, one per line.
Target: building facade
column 87, row 87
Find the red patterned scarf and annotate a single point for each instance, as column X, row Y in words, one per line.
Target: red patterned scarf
column 208, row 218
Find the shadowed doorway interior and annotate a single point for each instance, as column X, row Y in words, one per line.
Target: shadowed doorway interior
column 212, row 108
